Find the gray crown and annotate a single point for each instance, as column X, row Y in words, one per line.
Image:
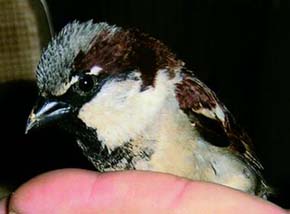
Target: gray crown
column 56, row 61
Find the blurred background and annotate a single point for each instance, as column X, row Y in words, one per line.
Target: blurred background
column 239, row 48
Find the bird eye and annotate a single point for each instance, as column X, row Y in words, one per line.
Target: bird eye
column 86, row 83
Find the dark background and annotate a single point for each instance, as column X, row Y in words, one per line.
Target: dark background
column 239, row 48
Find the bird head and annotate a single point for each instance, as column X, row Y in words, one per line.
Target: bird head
column 108, row 79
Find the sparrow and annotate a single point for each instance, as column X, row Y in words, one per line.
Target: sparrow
column 133, row 105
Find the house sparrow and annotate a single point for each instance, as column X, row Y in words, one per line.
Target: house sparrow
column 133, row 105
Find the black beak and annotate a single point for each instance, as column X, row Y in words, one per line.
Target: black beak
column 46, row 111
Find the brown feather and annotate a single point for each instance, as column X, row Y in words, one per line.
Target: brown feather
column 195, row 97
column 128, row 49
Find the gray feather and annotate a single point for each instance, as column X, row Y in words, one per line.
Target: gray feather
column 56, row 61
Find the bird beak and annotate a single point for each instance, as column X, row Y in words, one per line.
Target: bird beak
column 46, row 111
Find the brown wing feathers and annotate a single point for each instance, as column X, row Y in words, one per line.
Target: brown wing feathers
column 201, row 104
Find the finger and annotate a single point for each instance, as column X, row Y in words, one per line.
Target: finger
column 3, row 206
column 81, row 191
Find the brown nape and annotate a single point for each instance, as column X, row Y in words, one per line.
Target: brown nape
column 128, row 50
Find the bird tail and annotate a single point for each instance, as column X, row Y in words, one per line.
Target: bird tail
column 264, row 190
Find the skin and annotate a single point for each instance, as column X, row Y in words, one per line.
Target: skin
column 81, row 191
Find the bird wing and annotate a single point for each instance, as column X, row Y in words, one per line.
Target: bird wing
column 212, row 119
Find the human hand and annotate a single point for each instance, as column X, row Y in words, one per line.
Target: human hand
column 81, row 191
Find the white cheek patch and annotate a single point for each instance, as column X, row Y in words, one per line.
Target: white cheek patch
column 120, row 111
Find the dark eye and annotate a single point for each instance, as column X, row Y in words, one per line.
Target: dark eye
column 86, row 83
